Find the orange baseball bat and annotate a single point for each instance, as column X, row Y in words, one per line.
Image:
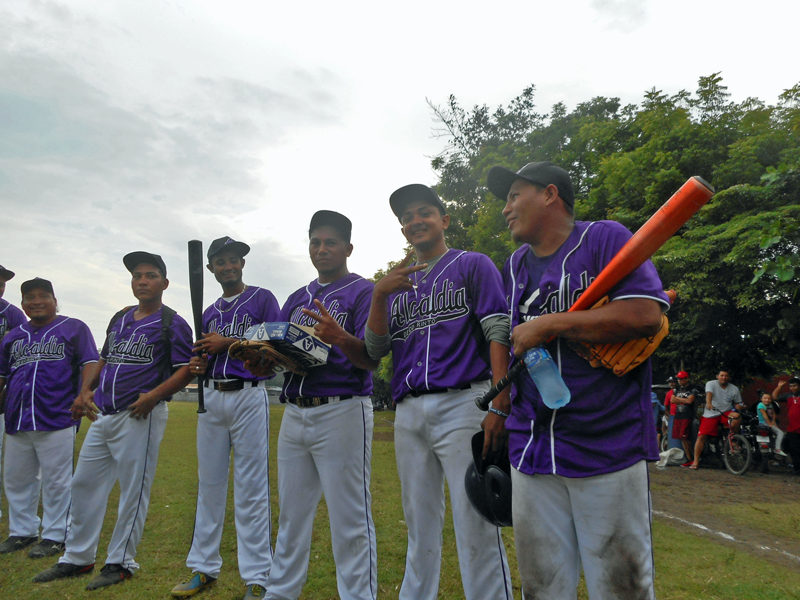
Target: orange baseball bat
column 683, row 204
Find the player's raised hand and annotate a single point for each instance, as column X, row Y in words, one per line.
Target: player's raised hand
column 397, row 279
column 327, row 328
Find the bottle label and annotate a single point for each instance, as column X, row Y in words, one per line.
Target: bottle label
column 534, row 355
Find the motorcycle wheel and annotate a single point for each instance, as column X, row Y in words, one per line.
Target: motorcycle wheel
column 739, row 457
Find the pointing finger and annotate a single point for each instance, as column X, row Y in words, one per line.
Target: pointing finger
column 321, row 308
column 311, row 314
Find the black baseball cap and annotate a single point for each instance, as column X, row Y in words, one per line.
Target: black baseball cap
column 415, row 192
column 333, row 219
column 6, row 274
column 37, row 283
column 541, row 173
column 134, row 259
column 227, row 243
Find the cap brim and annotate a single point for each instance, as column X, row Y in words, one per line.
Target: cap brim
column 403, row 196
column 134, row 259
column 240, row 248
column 6, row 274
column 500, row 180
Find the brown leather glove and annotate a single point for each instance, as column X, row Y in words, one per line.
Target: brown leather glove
column 624, row 356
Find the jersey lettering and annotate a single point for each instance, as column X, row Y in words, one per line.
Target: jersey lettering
column 234, row 329
column 300, row 318
column 50, row 349
column 444, row 303
column 132, row 351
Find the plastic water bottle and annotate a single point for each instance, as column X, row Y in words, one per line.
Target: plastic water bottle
column 546, row 377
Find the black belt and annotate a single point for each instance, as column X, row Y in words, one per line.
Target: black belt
column 230, row 386
column 418, row 393
column 310, row 402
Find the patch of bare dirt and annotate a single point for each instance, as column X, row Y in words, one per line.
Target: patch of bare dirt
column 695, row 497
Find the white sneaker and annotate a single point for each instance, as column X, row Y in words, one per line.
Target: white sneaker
column 781, row 453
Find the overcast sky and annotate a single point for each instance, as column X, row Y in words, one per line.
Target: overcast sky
column 140, row 125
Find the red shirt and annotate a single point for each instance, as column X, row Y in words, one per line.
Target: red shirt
column 668, row 405
column 793, row 405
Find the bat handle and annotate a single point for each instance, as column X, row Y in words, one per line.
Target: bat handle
column 515, row 371
column 201, row 401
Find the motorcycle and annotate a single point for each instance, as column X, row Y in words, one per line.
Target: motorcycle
column 763, row 439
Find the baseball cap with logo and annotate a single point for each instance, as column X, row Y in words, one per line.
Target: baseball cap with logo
column 37, row 283
column 134, row 259
column 541, row 173
column 227, row 243
column 333, row 219
column 415, row 192
column 6, row 274
column 682, row 375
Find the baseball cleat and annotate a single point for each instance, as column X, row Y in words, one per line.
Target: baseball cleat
column 254, row 591
column 17, row 542
column 46, row 548
column 195, row 585
column 62, row 571
column 109, row 575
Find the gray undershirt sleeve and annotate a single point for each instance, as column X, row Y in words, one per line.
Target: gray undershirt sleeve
column 378, row 346
column 497, row 328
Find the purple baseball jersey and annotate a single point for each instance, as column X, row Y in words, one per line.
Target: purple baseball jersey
column 608, row 424
column 231, row 319
column 42, row 369
column 134, row 355
column 347, row 300
column 10, row 317
column 437, row 340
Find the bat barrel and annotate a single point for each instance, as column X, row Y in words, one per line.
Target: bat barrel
column 196, row 292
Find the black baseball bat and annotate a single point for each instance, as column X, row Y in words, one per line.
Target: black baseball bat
column 196, row 291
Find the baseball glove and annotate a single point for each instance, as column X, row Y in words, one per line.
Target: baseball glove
column 261, row 352
column 624, row 356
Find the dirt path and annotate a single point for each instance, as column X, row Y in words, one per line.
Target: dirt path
column 690, row 501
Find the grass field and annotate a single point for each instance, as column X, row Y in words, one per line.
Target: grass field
column 687, row 566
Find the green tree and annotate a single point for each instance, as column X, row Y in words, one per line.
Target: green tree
column 626, row 161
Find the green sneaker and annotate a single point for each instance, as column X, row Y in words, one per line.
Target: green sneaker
column 254, row 591
column 195, row 585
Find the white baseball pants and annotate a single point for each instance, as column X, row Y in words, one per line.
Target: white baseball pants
column 239, row 421
column 116, row 447
column 433, row 435
column 28, row 452
column 326, row 450
column 600, row 522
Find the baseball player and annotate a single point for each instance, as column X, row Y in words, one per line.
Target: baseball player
column 444, row 320
column 10, row 317
column 238, row 420
column 125, row 400
column 325, row 442
column 42, row 362
column 580, row 483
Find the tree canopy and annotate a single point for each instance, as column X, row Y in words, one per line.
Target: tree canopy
column 735, row 265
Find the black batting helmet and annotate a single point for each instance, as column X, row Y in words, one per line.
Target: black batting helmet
column 488, row 485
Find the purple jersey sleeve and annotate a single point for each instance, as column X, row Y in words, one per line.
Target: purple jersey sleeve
column 42, row 367
column 135, row 358
column 437, row 340
column 10, row 317
column 347, row 300
column 232, row 319
column 604, row 428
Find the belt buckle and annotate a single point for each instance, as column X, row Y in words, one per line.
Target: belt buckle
column 229, row 386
